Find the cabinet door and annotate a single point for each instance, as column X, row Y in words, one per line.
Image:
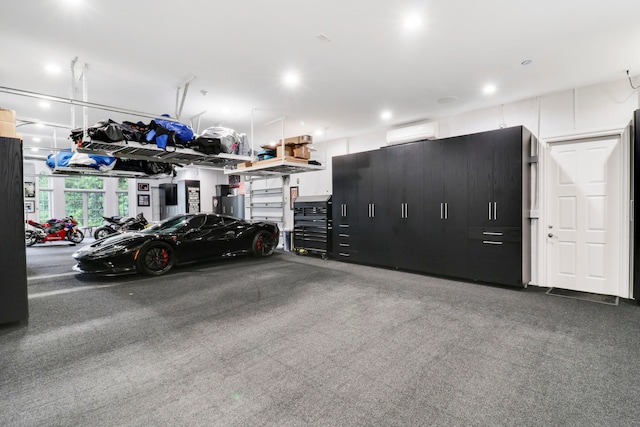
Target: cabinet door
column 480, row 179
column 499, row 263
column 395, row 234
column 454, row 238
column 370, row 210
column 413, row 222
column 507, row 177
column 433, row 207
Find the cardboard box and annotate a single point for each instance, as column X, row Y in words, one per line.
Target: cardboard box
column 8, row 129
column 302, row 152
column 243, row 165
column 279, row 159
column 288, row 151
column 295, row 140
column 7, row 116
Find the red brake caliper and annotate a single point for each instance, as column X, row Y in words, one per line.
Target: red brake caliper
column 165, row 257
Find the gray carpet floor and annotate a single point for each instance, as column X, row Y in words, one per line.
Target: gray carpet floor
column 294, row 341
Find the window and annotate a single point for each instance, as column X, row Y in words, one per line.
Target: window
column 44, row 197
column 82, row 201
column 123, row 197
column 84, row 182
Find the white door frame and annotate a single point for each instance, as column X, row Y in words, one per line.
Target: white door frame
column 624, row 287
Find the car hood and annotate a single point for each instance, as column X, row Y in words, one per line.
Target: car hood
column 126, row 240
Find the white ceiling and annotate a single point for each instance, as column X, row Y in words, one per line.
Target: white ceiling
column 139, row 53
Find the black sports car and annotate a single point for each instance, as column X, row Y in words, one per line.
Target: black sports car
column 178, row 240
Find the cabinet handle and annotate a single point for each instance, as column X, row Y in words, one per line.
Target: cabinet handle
column 344, row 245
column 441, row 210
column 489, row 211
column 343, row 235
column 491, row 233
column 491, row 242
column 406, row 210
column 495, row 211
column 446, row 211
column 343, row 254
column 401, row 210
column 344, row 225
column 373, row 210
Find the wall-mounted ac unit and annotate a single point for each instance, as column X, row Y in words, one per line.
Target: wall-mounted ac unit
column 418, row 132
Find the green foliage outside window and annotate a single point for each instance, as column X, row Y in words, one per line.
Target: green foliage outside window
column 44, row 205
column 123, row 204
column 44, row 180
column 123, row 184
column 84, row 182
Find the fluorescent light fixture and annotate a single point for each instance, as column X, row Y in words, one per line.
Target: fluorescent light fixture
column 44, row 104
column 291, row 79
column 318, row 132
column 489, row 89
column 385, row 115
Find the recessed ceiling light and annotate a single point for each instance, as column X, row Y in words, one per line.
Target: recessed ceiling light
column 385, row 115
column 527, row 62
column 291, row 79
column 52, row 69
column 318, row 132
column 44, row 104
column 412, row 21
column 489, row 89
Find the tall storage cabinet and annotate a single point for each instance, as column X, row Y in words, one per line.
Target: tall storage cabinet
column 455, row 207
column 13, row 259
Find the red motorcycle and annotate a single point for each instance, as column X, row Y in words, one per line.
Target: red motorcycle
column 53, row 230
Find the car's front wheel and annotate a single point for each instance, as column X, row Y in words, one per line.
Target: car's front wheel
column 155, row 259
column 264, row 243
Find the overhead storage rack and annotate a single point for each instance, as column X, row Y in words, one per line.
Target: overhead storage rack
column 275, row 166
column 137, row 151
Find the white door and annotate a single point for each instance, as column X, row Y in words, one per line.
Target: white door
column 583, row 226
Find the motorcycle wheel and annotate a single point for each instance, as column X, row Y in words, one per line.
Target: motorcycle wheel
column 103, row 232
column 75, row 236
column 30, row 238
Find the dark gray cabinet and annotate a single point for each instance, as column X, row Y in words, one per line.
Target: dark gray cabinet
column 455, row 207
column 445, row 206
column 13, row 259
column 345, row 172
column 498, row 198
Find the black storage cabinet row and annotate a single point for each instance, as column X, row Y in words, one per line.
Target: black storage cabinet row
column 454, row 207
column 312, row 224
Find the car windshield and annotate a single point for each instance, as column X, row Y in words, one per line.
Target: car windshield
column 170, row 225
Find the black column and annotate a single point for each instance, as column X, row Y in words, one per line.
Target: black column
column 13, row 258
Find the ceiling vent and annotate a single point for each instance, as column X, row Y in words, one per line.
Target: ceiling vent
column 418, row 132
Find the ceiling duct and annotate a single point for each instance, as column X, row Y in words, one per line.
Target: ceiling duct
column 419, row 132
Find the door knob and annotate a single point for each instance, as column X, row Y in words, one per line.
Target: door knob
column 550, row 234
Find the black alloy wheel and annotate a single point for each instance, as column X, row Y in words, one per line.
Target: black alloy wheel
column 103, row 232
column 75, row 236
column 30, row 237
column 155, row 259
column 264, row 243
